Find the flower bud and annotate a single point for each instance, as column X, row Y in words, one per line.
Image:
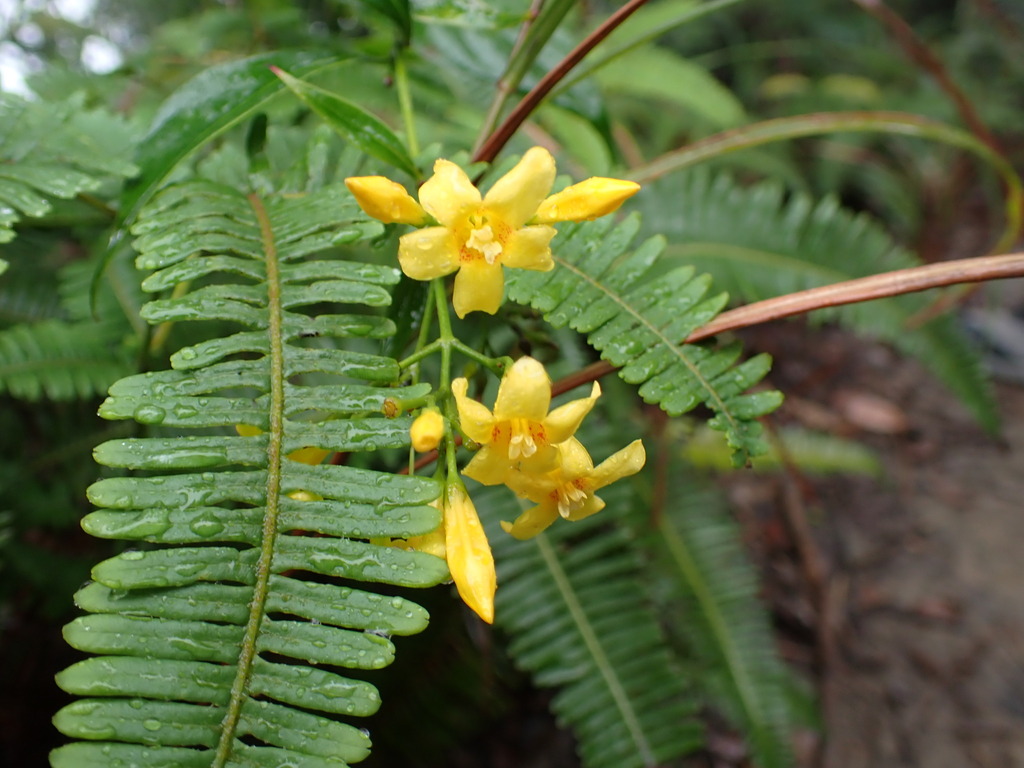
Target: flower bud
column 585, row 201
column 427, row 430
column 468, row 553
column 385, row 200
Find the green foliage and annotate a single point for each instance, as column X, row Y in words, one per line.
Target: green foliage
column 52, row 151
column 699, row 563
column 759, row 242
column 579, row 618
column 216, row 646
column 639, row 324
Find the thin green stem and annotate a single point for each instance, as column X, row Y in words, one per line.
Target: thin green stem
column 445, row 335
column 405, row 104
column 420, row 354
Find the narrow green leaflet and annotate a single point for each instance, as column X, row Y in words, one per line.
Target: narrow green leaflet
column 579, row 619
column 353, row 122
column 639, row 322
column 227, row 639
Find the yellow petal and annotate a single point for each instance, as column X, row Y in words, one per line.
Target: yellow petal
column 385, row 200
column 309, row 455
column 431, row 543
column 531, row 522
column 449, row 195
column 628, row 461
column 562, row 423
column 428, row 253
column 427, row 430
column 479, row 287
column 529, row 248
column 469, row 554
column 488, row 466
column 516, row 195
column 474, row 418
column 592, row 505
column 247, row 430
column 524, row 392
column 587, row 200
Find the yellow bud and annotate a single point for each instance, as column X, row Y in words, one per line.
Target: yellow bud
column 468, row 553
column 385, row 200
column 585, row 201
column 427, row 430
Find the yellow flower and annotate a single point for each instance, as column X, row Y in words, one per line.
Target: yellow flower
column 468, row 552
column 478, row 235
column 427, row 430
column 520, row 433
column 568, row 491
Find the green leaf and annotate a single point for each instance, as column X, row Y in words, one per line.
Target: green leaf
column 205, row 107
column 639, row 322
column 788, row 242
column 698, row 547
column 659, row 73
column 579, row 619
column 366, row 131
column 228, row 639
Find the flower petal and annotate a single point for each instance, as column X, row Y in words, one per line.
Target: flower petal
column 529, row 248
column 428, row 253
column 592, row 505
column 479, row 287
column 516, row 195
column 524, row 392
column 531, row 522
column 628, row 461
column 474, row 418
column 562, row 423
column 385, row 200
column 587, row 200
column 469, row 554
column 449, row 194
column 488, row 466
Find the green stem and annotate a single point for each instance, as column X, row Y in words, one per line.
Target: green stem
column 405, row 104
column 444, row 329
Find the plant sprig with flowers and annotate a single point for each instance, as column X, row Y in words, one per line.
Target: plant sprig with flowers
column 521, row 443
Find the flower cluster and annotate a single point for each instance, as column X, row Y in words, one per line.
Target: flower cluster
column 476, row 235
column 532, row 450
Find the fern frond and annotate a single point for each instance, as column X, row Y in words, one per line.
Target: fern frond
column 700, row 565
column 58, row 360
column 55, row 151
column 579, row 619
column 760, row 241
column 221, row 644
column 638, row 324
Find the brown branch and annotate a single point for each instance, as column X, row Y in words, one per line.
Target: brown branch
column 881, row 286
column 499, row 138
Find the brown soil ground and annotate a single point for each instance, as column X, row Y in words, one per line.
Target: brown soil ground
column 901, row 597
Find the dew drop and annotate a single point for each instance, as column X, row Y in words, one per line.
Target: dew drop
column 149, row 414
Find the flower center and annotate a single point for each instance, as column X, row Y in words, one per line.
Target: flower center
column 487, row 236
column 521, row 442
column 570, row 496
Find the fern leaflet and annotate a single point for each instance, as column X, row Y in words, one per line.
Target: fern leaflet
column 758, row 244
column 579, row 619
column 218, row 644
column 638, row 324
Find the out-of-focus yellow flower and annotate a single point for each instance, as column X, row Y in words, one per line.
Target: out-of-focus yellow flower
column 468, row 552
column 427, row 430
column 308, row 455
column 509, row 226
column 520, row 433
column 568, row 491
column 385, row 200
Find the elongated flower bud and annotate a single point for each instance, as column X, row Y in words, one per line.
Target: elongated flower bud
column 585, row 201
column 385, row 200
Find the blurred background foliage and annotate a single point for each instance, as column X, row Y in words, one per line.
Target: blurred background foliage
column 825, row 208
